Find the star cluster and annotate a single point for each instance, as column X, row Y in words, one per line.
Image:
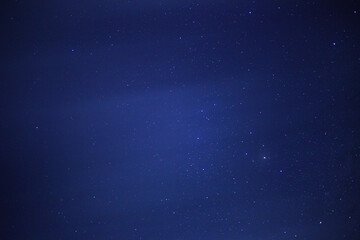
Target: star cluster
column 180, row 120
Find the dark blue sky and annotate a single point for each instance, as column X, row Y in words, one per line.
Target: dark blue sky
column 174, row 120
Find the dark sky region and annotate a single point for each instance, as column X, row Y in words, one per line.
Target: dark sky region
column 180, row 120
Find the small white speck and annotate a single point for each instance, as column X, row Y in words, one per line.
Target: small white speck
column 334, row 43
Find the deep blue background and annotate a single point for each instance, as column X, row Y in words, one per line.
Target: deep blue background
column 180, row 120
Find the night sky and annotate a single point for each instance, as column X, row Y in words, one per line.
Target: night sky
column 180, row 120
